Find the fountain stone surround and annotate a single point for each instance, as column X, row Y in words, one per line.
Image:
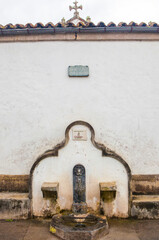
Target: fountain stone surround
column 54, row 153
column 80, row 224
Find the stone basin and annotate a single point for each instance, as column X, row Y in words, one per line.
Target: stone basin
column 79, row 227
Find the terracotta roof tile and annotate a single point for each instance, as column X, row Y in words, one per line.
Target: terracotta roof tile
column 10, row 26
column 29, row 25
column 111, row 24
column 122, row 24
column 153, row 24
column 19, row 26
column 133, row 24
column 49, row 25
column 142, row 24
column 89, row 27
column 90, row 24
column 70, row 25
column 58, row 25
column 101, row 24
column 39, row 25
column 80, row 24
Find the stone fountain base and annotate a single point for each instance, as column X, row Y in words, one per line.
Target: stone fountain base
column 85, row 227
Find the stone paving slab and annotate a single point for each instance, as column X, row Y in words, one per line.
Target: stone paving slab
column 133, row 230
column 119, row 230
column 15, row 230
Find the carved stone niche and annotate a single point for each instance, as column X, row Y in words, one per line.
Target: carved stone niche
column 107, row 196
column 50, row 190
column 108, row 191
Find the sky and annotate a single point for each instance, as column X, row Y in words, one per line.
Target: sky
column 33, row 11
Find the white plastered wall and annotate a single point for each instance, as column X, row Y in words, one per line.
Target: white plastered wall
column 99, row 169
column 120, row 99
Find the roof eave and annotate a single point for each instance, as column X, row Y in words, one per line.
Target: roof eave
column 64, row 30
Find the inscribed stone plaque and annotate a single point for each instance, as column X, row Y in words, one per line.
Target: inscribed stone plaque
column 79, row 135
column 78, row 71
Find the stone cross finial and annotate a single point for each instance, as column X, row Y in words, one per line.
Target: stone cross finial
column 76, row 13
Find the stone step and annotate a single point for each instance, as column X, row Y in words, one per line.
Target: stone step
column 146, row 198
column 14, row 205
column 145, row 206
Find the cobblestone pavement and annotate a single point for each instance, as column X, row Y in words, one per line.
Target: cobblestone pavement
column 118, row 230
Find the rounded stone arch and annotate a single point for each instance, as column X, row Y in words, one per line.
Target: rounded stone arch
column 106, row 152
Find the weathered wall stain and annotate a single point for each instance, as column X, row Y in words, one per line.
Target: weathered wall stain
column 14, row 183
column 145, row 185
column 14, row 208
column 120, row 95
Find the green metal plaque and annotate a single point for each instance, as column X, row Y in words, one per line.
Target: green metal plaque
column 78, row 71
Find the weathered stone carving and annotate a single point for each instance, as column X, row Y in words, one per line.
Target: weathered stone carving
column 79, row 189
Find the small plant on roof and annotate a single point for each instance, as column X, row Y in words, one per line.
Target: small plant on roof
column 88, row 19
